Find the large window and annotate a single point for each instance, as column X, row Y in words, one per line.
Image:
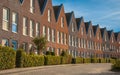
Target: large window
column 25, row 28
column 44, row 31
column 65, row 37
column 49, row 34
column 14, row 44
column 49, row 15
column 32, row 6
column 82, row 30
column 5, row 24
column 53, row 35
column 69, row 40
column 14, row 22
column 73, row 27
column 37, row 29
column 5, row 42
column 31, row 28
column 58, row 37
column 62, row 22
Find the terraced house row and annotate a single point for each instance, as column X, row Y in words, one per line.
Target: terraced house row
column 22, row 20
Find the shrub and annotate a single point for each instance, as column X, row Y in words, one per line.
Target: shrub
column 112, row 61
column 66, row 59
column 116, row 65
column 26, row 60
column 102, row 60
column 50, row 53
column 7, row 58
column 78, row 60
column 87, row 60
column 52, row 60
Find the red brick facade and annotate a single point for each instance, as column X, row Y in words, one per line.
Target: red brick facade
column 62, row 30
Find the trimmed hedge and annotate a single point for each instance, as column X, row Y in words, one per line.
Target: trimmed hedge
column 116, row 65
column 66, row 59
column 87, row 60
column 52, row 60
column 7, row 58
column 26, row 60
column 79, row 60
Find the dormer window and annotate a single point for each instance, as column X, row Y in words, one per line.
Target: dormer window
column 32, row 6
column 62, row 22
column 82, row 30
column 90, row 33
column 49, row 15
column 73, row 27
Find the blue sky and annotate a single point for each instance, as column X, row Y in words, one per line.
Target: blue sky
column 106, row 13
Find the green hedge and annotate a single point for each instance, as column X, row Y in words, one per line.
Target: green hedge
column 116, row 65
column 66, row 59
column 25, row 60
column 79, row 60
column 52, row 60
column 7, row 58
column 87, row 60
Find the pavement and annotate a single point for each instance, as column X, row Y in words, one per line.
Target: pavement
column 67, row 69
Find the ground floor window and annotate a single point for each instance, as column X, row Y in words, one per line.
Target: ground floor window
column 14, row 44
column 5, row 42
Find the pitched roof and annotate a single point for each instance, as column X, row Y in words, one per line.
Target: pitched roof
column 102, row 30
column 110, row 33
column 95, row 29
column 116, row 35
column 69, row 17
column 87, row 24
column 42, row 4
column 78, row 21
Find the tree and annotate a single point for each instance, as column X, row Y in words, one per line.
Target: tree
column 40, row 43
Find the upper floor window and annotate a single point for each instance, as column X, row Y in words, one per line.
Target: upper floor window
column 62, row 22
column 49, row 15
column 105, row 37
column 49, row 34
column 14, row 22
column 73, row 27
column 32, row 6
column 98, row 36
column 90, row 33
column 5, row 21
column 82, row 30
column 37, row 29
column 65, row 36
column 44, row 31
column 53, row 35
column 112, row 40
column 25, row 28
column 31, row 28
column 58, row 37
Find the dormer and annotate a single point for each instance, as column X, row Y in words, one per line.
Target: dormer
column 111, row 36
column 104, row 34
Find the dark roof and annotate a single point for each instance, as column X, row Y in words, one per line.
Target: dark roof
column 95, row 29
column 102, row 30
column 110, row 33
column 116, row 35
column 78, row 21
column 42, row 4
column 87, row 24
column 57, row 10
column 68, row 17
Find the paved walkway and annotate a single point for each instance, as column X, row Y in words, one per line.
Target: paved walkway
column 71, row 69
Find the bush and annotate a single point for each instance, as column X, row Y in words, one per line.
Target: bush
column 52, row 60
column 116, row 65
column 66, row 59
column 50, row 53
column 78, row 60
column 7, row 58
column 26, row 60
column 87, row 60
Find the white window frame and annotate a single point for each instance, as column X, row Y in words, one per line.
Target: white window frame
column 31, row 28
column 15, row 21
column 49, row 15
column 48, row 34
column 62, row 22
column 32, row 6
column 25, row 28
column 37, row 29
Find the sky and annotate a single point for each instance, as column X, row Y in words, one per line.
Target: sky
column 106, row 13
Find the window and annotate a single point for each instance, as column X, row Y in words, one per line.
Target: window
column 25, row 29
column 49, row 34
column 14, row 22
column 44, row 31
column 65, row 37
column 62, row 22
column 5, row 25
column 69, row 40
column 53, row 35
column 37, row 29
column 14, row 44
column 98, row 36
column 105, row 37
column 31, row 28
column 24, row 46
column 58, row 51
column 72, row 41
column 112, row 39
column 49, row 15
column 30, row 47
column 90, row 33
column 73, row 27
column 5, row 42
column 32, row 6
column 61, row 38
column 58, row 37
column 82, row 30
